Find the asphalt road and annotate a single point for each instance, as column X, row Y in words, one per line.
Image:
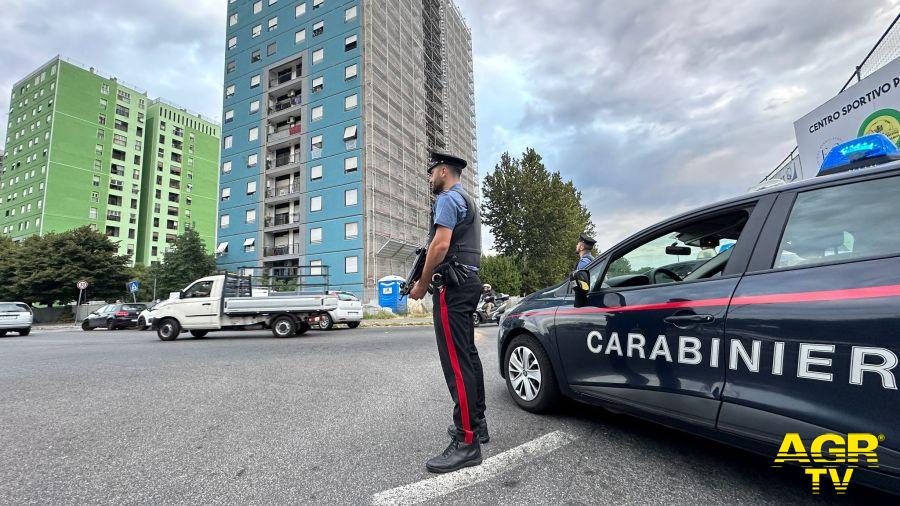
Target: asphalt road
column 330, row 417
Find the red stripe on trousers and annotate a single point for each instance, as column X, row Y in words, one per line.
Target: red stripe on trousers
column 460, row 384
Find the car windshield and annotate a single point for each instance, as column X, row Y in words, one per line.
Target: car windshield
column 133, row 307
column 11, row 307
column 347, row 296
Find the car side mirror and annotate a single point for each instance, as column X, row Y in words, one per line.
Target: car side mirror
column 581, row 285
column 681, row 251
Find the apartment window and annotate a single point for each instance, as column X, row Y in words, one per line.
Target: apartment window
column 100, row 134
column 92, row 214
column 253, row 134
column 351, row 230
column 104, row 88
column 317, row 268
column 101, row 119
column 226, row 194
column 250, row 216
column 228, row 141
column 318, row 84
column 251, row 187
column 350, row 102
column 350, row 72
column 315, row 203
column 232, row 43
column 257, row 7
column 249, row 244
column 232, row 20
column 95, row 196
column 318, row 55
column 350, row 135
column 224, row 221
column 103, row 103
column 316, row 142
column 271, row 49
column 230, row 66
column 350, row 197
column 255, row 56
column 300, row 10
column 254, row 106
column 273, row 23
column 315, row 235
column 252, row 159
column 350, row 13
column 351, row 164
column 99, row 150
column 229, row 91
column 350, row 43
column 272, row 2
column 318, row 28
column 351, row 265
column 315, row 173
column 299, row 36
column 317, row 3
column 229, row 116
column 121, row 110
column 316, row 113
column 256, row 31
column 119, row 140
column 254, row 81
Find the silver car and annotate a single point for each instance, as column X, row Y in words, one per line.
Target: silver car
column 16, row 317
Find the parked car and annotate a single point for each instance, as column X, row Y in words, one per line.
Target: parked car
column 16, row 317
column 145, row 319
column 113, row 316
column 349, row 310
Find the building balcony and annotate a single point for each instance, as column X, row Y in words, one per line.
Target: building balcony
column 282, row 191
column 284, row 137
column 282, row 164
column 284, row 108
column 282, row 219
column 284, row 249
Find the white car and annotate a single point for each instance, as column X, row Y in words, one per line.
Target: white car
column 145, row 319
column 349, row 311
column 15, row 317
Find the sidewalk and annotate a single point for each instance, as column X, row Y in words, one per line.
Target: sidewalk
column 391, row 322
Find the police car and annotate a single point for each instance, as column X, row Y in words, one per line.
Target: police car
column 791, row 324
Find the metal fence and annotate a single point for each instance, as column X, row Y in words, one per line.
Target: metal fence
column 886, row 49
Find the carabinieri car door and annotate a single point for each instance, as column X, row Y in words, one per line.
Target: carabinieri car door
column 649, row 338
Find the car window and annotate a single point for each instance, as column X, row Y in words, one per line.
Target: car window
column 104, row 309
column 134, row 307
column 199, row 289
column 9, row 307
column 346, row 296
column 841, row 223
column 692, row 250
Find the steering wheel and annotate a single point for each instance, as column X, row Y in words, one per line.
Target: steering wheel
column 663, row 270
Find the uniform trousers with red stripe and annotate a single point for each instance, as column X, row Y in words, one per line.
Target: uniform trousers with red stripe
column 455, row 332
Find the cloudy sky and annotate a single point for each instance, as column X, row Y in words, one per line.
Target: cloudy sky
column 650, row 107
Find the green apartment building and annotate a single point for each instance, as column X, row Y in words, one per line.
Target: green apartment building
column 77, row 154
column 180, row 180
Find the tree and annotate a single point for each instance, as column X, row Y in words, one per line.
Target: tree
column 535, row 217
column 9, row 252
column 184, row 262
column 47, row 267
column 620, row 267
column 502, row 273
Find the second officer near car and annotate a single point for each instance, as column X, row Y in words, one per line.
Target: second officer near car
column 583, row 248
column 454, row 255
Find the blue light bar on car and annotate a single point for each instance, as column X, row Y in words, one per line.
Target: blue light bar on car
column 865, row 151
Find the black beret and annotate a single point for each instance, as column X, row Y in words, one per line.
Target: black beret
column 439, row 157
column 588, row 241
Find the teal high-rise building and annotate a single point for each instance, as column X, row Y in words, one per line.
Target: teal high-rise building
column 329, row 111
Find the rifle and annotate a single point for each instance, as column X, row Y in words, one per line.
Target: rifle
column 415, row 272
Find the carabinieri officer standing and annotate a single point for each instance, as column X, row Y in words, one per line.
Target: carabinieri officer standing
column 583, row 248
column 454, row 255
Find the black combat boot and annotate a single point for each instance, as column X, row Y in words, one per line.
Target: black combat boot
column 457, row 456
column 480, row 430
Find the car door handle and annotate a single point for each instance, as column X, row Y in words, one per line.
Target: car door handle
column 689, row 320
column 207, row 304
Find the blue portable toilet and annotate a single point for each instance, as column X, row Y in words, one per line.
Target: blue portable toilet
column 389, row 294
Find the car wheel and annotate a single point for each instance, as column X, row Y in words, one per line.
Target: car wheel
column 168, row 329
column 110, row 325
column 529, row 375
column 24, row 332
column 142, row 325
column 325, row 322
column 86, row 326
column 476, row 319
column 284, row 326
column 199, row 334
column 353, row 325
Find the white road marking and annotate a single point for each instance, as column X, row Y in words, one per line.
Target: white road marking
column 443, row 484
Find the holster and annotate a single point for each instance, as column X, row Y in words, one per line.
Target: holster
column 449, row 273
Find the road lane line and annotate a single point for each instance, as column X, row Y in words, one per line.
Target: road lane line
column 444, row 484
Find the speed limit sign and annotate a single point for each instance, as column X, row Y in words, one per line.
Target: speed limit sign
column 82, row 284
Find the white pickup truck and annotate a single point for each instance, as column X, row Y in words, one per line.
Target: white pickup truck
column 230, row 302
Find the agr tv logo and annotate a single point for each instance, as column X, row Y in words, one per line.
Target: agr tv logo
column 830, row 457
